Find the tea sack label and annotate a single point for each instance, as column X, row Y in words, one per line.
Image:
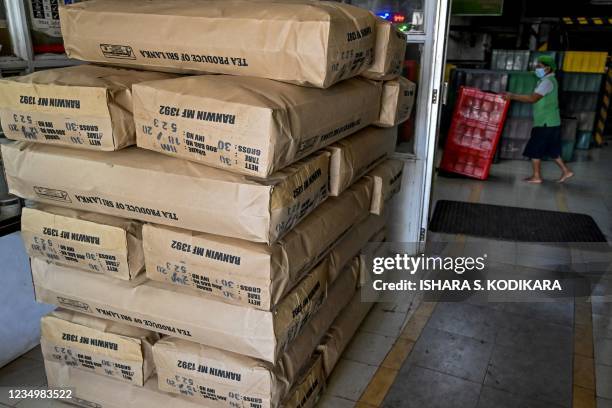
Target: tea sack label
column 84, row 107
column 248, row 125
column 97, row 345
column 92, row 242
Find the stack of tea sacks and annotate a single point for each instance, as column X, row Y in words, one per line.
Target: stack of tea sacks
column 218, row 262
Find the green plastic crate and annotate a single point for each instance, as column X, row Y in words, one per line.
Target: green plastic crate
column 583, row 140
column 567, row 150
column 521, row 82
column 581, row 82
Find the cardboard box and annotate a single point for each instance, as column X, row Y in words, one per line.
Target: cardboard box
column 175, row 311
column 85, row 107
column 389, row 52
column 89, row 241
column 92, row 390
column 98, row 345
column 303, row 42
column 248, row 125
column 351, row 244
column 212, row 376
column 247, row 273
column 397, row 101
column 357, row 154
column 342, row 331
column 138, row 184
column 387, row 179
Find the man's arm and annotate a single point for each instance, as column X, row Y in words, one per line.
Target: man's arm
column 544, row 88
column 533, row 98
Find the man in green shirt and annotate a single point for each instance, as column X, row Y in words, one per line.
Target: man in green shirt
column 545, row 140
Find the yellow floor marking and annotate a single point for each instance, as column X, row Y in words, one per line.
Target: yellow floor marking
column 398, row 354
column 583, row 398
column 561, row 200
column 584, row 363
column 383, row 379
column 584, row 375
column 583, row 340
column 378, row 388
column 414, row 327
column 475, row 193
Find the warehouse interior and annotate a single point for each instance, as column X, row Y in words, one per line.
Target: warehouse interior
column 463, row 189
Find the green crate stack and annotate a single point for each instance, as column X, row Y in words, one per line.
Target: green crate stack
column 579, row 98
column 521, row 82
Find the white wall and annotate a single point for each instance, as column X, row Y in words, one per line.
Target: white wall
column 19, row 313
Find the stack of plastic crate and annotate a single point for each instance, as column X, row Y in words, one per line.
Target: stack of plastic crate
column 474, row 133
column 514, row 64
column 569, row 127
column 483, row 79
column 510, row 60
column 520, row 118
column 580, row 91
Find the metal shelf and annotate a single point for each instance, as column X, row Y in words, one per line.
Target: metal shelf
column 12, row 64
column 24, row 59
column 54, row 61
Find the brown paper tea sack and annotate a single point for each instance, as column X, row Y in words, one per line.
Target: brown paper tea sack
column 85, row 107
column 245, row 125
column 89, row 241
column 397, row 102
column 92, row 390
column 353, row 242
column 342, row 331
column 357, row 154
column 387, row 179
column 177, row 312
column 139, row 184
column 247, row 273
column 303, row 42
column 306, row 392
column 98, row 345
column 389, row 52
column 223, row 374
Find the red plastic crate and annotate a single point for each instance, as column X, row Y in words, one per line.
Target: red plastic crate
column 480, row 106
column 476, row 127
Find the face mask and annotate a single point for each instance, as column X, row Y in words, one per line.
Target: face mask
column 540, row 72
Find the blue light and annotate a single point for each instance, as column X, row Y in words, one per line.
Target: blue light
column 385, row 15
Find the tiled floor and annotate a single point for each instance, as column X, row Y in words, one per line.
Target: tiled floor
column 472, row 354
column 485, row 355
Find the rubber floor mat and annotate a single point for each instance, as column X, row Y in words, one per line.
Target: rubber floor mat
column 513, row 223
